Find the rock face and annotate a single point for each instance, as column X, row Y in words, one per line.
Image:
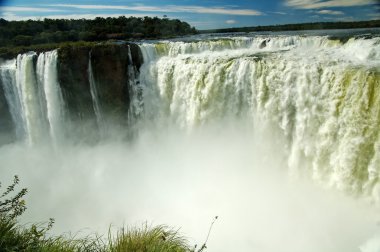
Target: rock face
column 74, row 81
column 110, row 65
column 110, row 71
column 7, row 133
column 137, row 56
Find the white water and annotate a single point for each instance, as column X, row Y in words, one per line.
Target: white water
column 233, row 128
column 319, row 94
column 28, row 94
column 8, row 78
column 354, row 49
column 34, row 97
column 47, row 75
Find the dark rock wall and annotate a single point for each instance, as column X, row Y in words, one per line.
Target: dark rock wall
column 74, row 82
column 7, row 128
column 110, row 70
column 137, row 56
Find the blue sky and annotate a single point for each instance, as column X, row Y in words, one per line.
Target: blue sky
column 203, row 14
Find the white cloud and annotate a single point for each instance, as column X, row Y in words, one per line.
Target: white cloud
column 199, row 9
column 167, row 8
column 26, row 9
column 330, row 12
column 231, row 21
column 319, row 4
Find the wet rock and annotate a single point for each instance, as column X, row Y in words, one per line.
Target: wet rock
column 263, row 44
column 7, row 132
column 110, row 71
column 109, row 64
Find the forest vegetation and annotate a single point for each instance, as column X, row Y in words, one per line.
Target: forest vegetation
column 47, row 31
column 301, row 26
column 42, row 35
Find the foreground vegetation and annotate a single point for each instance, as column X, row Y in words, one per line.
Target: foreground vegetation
column 35, row 238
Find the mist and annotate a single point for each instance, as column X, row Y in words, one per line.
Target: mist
column 184, row 179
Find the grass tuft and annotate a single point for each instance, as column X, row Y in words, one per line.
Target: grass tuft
column 148, row 239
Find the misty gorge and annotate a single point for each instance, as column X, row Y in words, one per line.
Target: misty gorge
column 278, row 135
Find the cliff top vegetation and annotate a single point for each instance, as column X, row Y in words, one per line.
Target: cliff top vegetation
column 48, row 31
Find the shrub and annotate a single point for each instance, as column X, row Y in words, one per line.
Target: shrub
column 12, row 237
column 12, row 206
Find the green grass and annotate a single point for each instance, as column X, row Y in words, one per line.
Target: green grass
column 35, row 237
column 14, row 238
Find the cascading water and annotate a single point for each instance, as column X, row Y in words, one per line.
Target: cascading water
column 54, row 106
column 29, row 95
column 34, row 96
column 8, row 79
column 322, row 94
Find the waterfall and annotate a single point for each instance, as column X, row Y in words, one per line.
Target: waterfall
column 322, row 95
column 28, row 94
column 34, row 97
column 8, row 79
column 95, row 97
column 52, row 95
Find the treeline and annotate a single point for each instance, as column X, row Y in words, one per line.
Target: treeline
column 32, row 32
column 304, row 26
